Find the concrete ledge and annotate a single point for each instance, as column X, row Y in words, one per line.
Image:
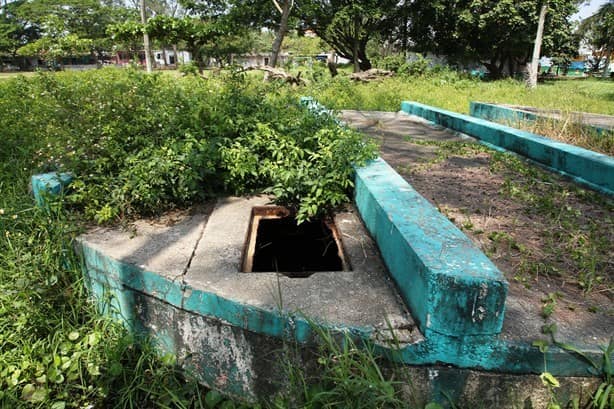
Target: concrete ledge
column 450, row 286
column 512, row 114
column 46, row 184
column 586, row 167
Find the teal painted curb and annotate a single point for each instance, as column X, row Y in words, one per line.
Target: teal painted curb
column 120, row 288
column 583, row 166
column 450, row 286
column 492, row 112
column 116, row 285
column 105, row 274
column 46, row 184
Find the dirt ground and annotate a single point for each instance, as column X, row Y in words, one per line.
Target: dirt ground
column 551, row 238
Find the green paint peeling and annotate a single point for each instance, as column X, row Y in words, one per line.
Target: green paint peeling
column 49, row 184
column 450, row 286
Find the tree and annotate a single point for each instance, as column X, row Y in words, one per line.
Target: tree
column 14, row 31
column 128, row 35
column 55, row 49
column 533, row 66
column 597, row 33
column 146, row 47
column 67, row 26
column 284, row 10
column 347, row 25
column 213, row 38
column 497, row 33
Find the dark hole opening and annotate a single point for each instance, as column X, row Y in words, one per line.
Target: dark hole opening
column 283, row 246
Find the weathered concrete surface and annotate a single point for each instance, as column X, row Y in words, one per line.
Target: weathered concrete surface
column 513, row 113
column 363, row 297
column 450, row 285
column 164, row 246
column 586, row 167
column 49, row 184
column 523, row 322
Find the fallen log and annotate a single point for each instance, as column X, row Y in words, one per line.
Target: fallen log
column 278, row 74
column 371, row 75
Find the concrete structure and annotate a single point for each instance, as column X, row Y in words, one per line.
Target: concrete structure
column 512, row 114
column 433, row 303
column 166, row 57
column 46, row 184
column 451, row 287
column 258, row 59
column 586, row 167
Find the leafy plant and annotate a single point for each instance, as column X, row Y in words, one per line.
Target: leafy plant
column 349, row 377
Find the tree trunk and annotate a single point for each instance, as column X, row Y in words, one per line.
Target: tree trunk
column 356, row 46
column 532, row 80
column 608, row 52
column 493, row 70
column 145, row 37
column 283, row 29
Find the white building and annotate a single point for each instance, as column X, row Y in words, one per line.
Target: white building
column 164, row 58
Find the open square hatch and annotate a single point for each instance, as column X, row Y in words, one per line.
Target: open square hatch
column 276, row 244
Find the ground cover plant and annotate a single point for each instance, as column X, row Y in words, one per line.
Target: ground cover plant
column 451, row 90
column 140, row 144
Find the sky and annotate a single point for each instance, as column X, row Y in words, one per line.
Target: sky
column 588, row 8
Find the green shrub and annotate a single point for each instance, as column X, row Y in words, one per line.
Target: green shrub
column 190, row 68
column 139, row 144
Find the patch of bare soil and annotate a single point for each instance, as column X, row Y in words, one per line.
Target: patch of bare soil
column 543, row 232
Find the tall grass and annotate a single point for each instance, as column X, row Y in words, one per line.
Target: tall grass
column 452, row 91
column 56, row 351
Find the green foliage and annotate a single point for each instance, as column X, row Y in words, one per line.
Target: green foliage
column 496, row 33
column 347, row 25
column 452, row 90
column 305, row 171
column 597, row 33
column 55, row 350
column 190, row 68
column 350, row 376
column 63, row 28
column 139, row 144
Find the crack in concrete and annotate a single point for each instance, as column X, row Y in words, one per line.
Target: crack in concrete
column 189, row 263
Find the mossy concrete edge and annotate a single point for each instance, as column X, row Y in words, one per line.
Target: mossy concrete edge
column 115, row 285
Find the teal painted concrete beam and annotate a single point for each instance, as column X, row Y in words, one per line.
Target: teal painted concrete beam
column 47, row 184
column 106, row 275
column 450, row 286
column 586, row 167
column 492, row 112
column 118, row 285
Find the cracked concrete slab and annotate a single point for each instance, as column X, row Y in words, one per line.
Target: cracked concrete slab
column 363, row 297
column 163, row 245
column 205, row 249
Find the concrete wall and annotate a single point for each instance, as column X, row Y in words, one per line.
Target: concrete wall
column 586, row 167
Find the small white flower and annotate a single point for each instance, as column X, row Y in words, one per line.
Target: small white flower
column 1, row 211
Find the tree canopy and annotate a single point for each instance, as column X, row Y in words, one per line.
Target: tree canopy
column 496, row 33
column 597, row 33
column 347, row 25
